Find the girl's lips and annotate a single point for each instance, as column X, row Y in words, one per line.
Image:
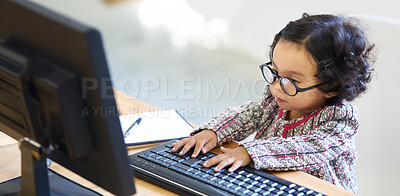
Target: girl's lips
column 280, row 100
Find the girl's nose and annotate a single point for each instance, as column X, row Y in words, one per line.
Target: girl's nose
column 276, row 86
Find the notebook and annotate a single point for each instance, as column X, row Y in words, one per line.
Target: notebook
column 153, row 127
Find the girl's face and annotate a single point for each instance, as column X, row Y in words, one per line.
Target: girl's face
column 292, row 60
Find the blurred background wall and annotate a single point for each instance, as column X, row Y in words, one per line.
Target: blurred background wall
column 199, row 57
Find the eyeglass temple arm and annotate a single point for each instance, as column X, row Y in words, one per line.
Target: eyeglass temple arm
column 311, row 87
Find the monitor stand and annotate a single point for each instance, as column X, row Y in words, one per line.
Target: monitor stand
column 37, row 179
column 34, row 178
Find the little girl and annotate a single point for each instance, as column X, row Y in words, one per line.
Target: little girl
column 303, row 121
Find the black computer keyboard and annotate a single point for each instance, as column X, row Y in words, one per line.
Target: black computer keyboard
column 186, row 175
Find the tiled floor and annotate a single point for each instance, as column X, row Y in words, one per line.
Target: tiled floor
column 202, row 56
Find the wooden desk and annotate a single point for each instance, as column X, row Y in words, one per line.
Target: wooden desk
column 10, row 160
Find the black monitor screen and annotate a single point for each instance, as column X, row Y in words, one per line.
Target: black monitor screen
column 54, row 81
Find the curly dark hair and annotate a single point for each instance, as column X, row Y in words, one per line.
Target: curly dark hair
column 341, row 48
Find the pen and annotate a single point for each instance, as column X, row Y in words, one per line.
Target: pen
column 132, row 125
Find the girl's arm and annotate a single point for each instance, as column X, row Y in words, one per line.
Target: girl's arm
column 236, row 123
column 330, row 139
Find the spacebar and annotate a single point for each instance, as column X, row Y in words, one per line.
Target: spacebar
column 181, row 166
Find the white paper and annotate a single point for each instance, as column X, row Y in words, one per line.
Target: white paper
column 154, row 126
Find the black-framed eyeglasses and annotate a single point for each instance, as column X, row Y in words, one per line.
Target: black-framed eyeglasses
column 288, row 85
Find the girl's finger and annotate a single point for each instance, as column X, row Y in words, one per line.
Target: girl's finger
column 198, row 147
column 235, row 165
column 210, row 145
column 187, row 146
column 223, row 164
column 179, row 144
column 214, row 160
column 224, row 150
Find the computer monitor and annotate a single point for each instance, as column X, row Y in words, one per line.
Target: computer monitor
column 56, row 97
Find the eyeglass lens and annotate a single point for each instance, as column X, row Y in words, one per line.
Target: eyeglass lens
column 268, row 75
column 285, row 83
column 287, row 86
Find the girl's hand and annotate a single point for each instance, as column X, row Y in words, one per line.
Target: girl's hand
column 203, row 141
column 236, row 157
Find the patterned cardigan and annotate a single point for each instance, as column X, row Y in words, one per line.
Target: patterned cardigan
column 321, row 144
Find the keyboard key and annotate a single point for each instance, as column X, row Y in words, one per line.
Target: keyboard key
column 274, row 184
column 253, row 188
column 158, row 157
column 240, row 191
column 256, row 177
column 309, row 192
column 234, row 174
column 217, row 173
column 253, row 182
column 204, row 169
column 236, row 187
column 280, row 192
column 291, row 191
column 264, row 192
column 211, row 155
column 170, row 156
column 191, row 162
column 226, row 172
column 225, row 183
column 246, row 185
column 159, row 151
column 209, row 171
column 241, row 178
column 224, row 177
column 181, row 166
column 230, row 185
column 196, row 172
column 164, row 153
column 282, row 187
column 264, row 181
column 197, row 166
column 239, row 182
column 301, row 188
column 229, row 178
column 249, row 175
column 259, row 184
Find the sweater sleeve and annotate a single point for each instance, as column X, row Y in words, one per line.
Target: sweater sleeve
column 330, row 138
column 236, row 123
